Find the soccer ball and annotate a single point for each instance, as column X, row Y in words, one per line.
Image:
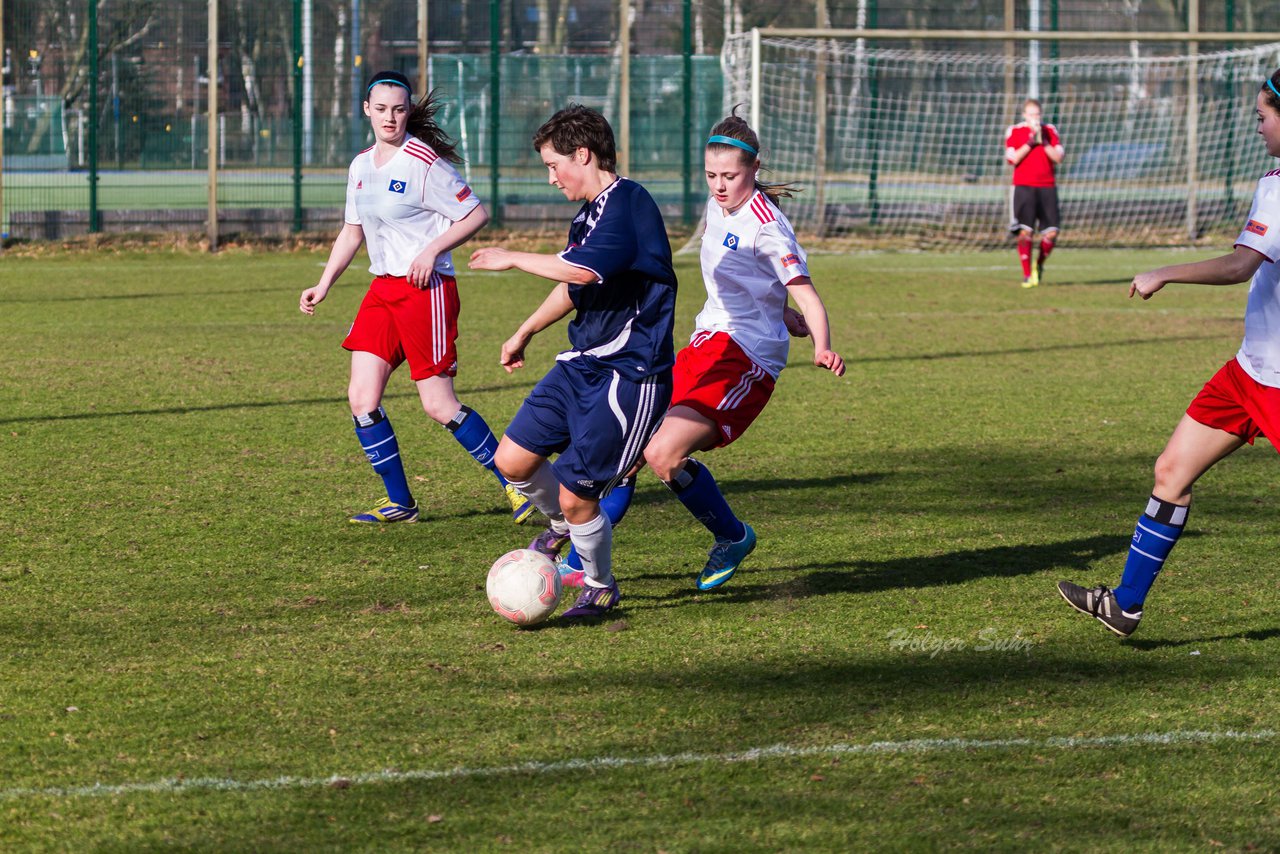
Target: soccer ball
column 524, row 586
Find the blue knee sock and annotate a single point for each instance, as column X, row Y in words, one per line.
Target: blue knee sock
column 380, row 446
column 1154, row 537
column 474, row 435
column 614, row 506
column 697, row 491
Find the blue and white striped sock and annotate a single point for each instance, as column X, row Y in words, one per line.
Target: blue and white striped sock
column 380, row 446
column 1154, row 537
column 699, row 493
column 474, row 435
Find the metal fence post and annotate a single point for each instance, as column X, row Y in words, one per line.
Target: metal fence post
column 495, row 106
column 4, row 231
column 686, row 48
column 94, row 221
column 297, row 115
column 212, row 130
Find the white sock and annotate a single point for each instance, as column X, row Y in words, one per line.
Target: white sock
column 594, row 542
column 544, row 491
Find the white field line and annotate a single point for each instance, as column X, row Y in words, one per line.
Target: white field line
column 605, row 763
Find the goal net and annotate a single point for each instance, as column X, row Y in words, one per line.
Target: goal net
column 914, row 139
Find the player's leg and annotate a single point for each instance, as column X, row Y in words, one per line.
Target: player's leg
column 1048, row 216
column 684, row 431
column 369, row 374
column 616, row 419
column 539, row 430
column 427, row 321
column 592, row 535
column 1192, row 450
column 1024, row 212
column 614, row 506
column 469, row 428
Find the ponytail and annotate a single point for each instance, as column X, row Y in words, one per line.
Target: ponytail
column 421, row 125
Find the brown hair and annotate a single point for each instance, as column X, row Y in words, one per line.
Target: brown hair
column 422, row 125
column 1272, row 99
column 736, row 127
column 577, row 127
column 1030, row 101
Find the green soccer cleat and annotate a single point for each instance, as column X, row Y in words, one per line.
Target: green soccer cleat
column 724, row 559
column 521, row 508
column 387, row 512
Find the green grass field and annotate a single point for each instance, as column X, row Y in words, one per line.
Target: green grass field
column 200, row 653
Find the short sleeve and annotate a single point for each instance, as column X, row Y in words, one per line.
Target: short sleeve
column 610, row 247
column 1262, row 230
column 780, row 252
column 352, row 215
column 445, row 191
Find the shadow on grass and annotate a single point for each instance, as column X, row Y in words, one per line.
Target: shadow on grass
column 866, row 576
column 1049, row 348
column 336, row 402
column 1254, row 635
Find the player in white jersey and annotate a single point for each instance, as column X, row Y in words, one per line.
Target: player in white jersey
column 409, row 204
column 751, row 263
column 1240, row 403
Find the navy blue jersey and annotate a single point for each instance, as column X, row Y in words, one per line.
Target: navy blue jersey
column 625, row 319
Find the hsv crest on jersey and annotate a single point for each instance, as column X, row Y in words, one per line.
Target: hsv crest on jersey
column 1256, row 227
column 731, row 240
column 789, row 259
column 359, row 185
column 396, row 186
column 463, row 193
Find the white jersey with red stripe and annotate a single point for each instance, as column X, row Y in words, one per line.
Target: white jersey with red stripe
column 1259, row 353
column 748, row 258
column 405, row 204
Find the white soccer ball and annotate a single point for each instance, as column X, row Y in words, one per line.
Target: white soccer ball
column 524, row 586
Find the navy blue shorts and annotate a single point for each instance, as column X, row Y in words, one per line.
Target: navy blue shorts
column 597, row 422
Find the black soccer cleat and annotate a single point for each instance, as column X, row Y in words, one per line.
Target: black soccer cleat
column 1100, row 603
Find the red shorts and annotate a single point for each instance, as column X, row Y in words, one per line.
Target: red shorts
column 714, row 377
column 398, row 322
column 1236, row 403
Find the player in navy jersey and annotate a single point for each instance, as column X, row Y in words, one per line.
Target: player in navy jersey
column 751, row 264
column 601, row 401
column 1239, row 403
column 405, row 199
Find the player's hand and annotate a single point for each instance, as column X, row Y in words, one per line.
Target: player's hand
column 1146, row 284
column 513, row 352
column 830, row 360
column 310, row 298
column 491, row 258
column 420, row 270
column 795, row 322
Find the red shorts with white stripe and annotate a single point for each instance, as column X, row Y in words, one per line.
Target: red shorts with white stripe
column 1236, row 403
column 398, row 322
column 714, row 377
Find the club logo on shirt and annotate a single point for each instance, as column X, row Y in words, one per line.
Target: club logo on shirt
column 463, row 193
column 580, row 218
column 788, row 260
column 397, row 186
column 360, row 185
column 731, row 240
column 1256, row 227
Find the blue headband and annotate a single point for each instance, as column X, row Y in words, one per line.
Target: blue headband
column 1272, row 87
column 387, row 82
column 737, row 143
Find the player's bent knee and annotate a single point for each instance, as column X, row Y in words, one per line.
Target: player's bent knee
column 664, row 460
column 1171, row 475
column 515, row 462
